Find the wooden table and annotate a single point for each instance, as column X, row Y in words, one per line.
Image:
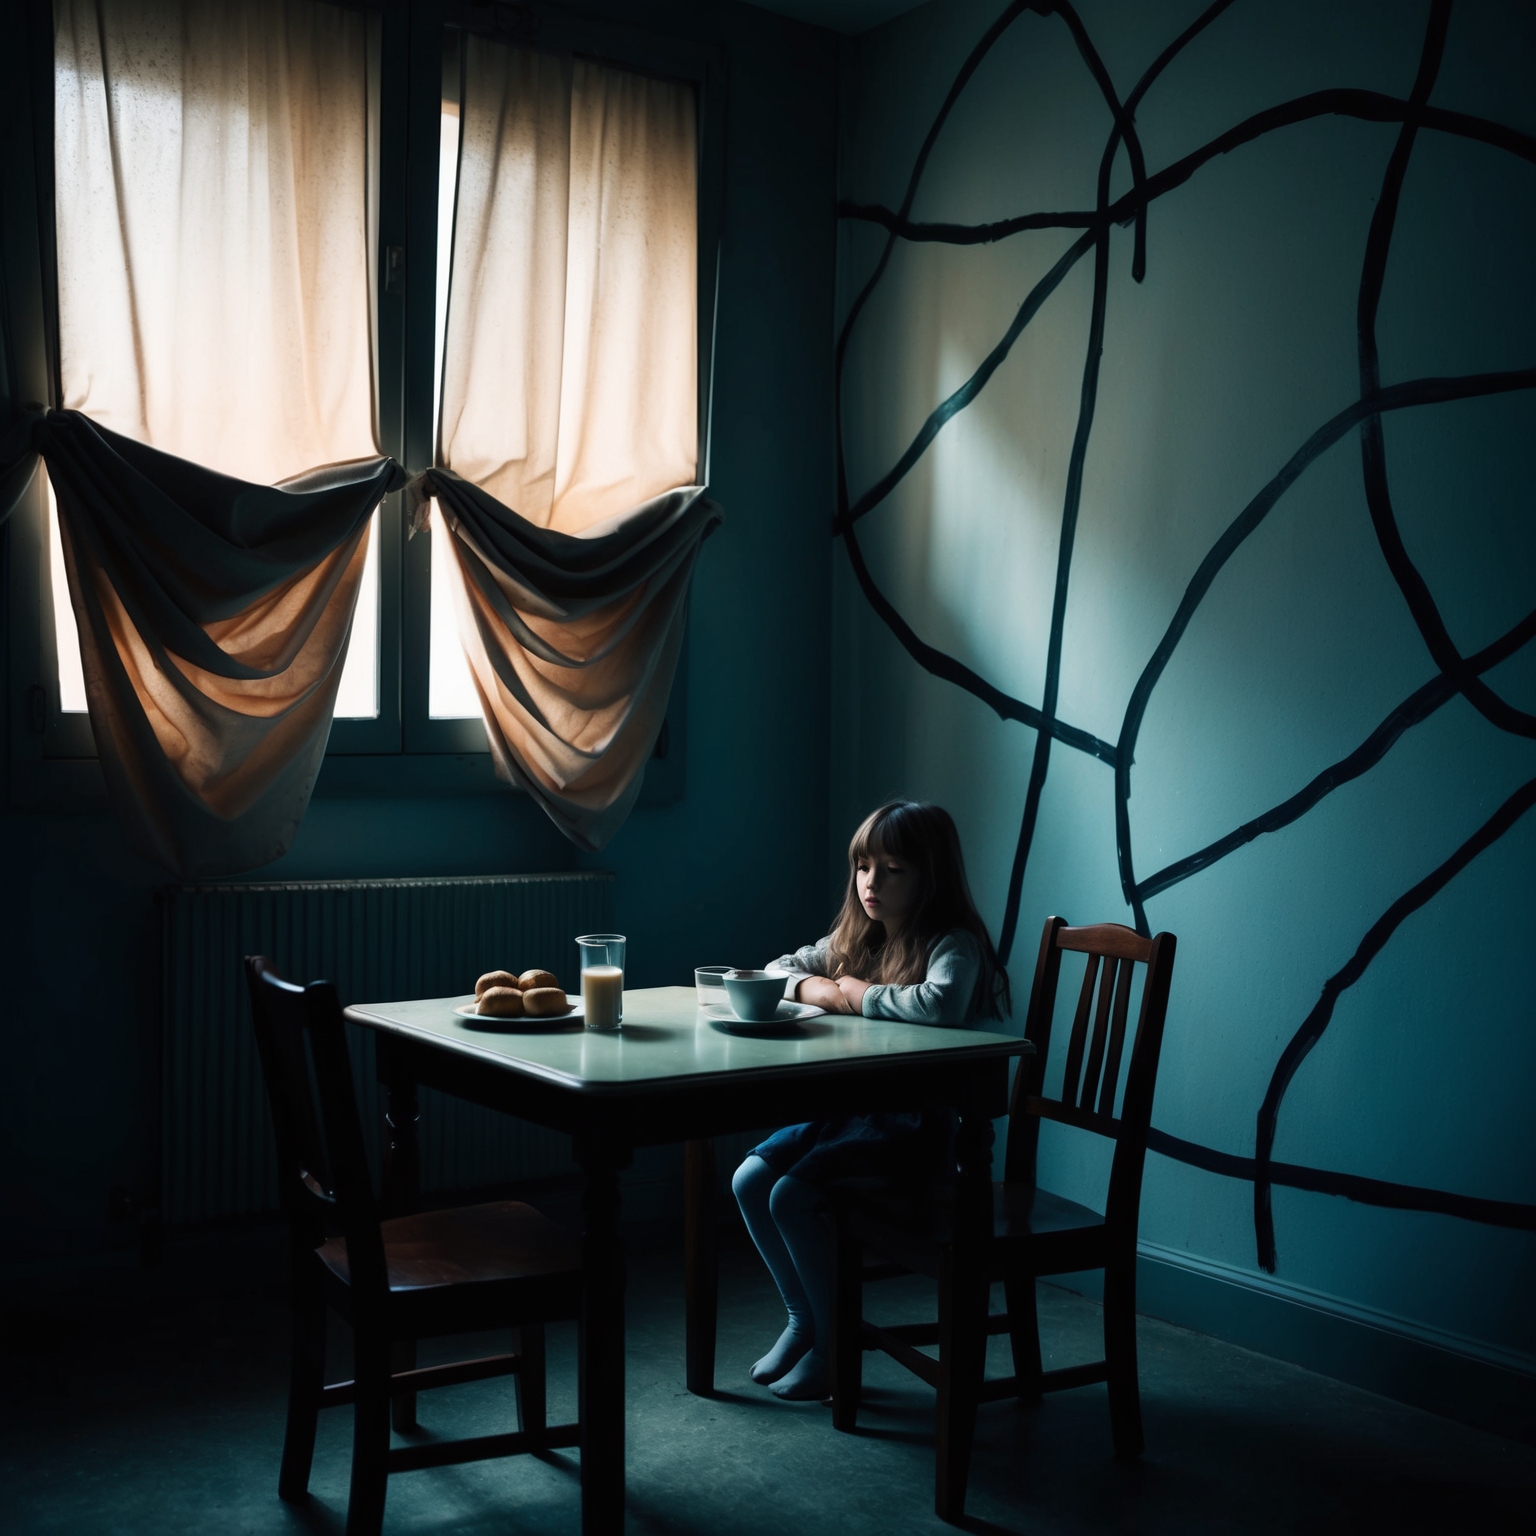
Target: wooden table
column 672, row 1074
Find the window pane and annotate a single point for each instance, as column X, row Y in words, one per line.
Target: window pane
column 66, row 637
column 358, row 696
column 450, row 688
column 450, row 685
column 447, row 186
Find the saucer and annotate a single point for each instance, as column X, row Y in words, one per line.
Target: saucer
column 788, row 1015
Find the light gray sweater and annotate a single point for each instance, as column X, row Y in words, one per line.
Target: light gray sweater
column 946, row 995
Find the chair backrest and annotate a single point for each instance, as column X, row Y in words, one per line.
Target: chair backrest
column 1091, row 1074
column 322, row 1166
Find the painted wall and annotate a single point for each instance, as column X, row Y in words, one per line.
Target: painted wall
column 1239, row 345
column 696, row 881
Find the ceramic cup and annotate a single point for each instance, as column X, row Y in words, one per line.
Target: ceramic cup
column 709, row 980
column 755, row 995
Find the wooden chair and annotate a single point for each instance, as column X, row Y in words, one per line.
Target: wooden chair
column 480, row 1267
column 966, row 1242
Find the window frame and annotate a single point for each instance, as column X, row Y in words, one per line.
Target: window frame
column 402, row 749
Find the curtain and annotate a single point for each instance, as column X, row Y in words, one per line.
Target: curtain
column 570, row 372
column 573, row 642
column 569, row 427
column 212, row 163
column 212, row 173
column 214, row 618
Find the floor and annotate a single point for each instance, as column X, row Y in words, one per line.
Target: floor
column 152, row 1401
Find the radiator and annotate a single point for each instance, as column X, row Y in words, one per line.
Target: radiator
column 378, row 940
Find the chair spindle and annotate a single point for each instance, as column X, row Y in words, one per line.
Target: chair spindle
column 1079, row 1039
column 1100, row 1035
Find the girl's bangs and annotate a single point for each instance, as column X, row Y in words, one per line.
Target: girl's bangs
column 880, row 837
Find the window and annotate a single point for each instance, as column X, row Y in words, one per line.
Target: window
column 381, row 158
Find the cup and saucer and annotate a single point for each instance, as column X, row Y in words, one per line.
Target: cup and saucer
column 755, row 1004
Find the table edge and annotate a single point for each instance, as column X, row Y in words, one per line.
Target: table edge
column 999, row 1047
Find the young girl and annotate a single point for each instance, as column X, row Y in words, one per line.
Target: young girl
column 908, row 945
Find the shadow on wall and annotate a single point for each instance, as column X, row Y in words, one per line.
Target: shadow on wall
column 1121, row 226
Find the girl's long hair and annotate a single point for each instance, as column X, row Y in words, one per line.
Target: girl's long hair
column 923, row 837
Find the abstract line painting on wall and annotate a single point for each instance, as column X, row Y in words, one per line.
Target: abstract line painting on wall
column 1107, row 228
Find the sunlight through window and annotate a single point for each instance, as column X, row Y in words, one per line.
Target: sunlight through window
column 450, row 687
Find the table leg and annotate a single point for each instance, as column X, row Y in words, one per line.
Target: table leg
column 402, row 1195
column 973, row 1156
column 600, row 1368
column 402, row 1145
column 963, row 1306
column 701, row 1263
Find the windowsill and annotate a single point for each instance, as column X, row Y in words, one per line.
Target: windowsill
column 76, row 783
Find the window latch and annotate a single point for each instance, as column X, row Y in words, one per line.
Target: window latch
column 394, row 269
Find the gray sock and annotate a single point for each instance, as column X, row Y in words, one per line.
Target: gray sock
column 809, row 1381
column 792, row 1346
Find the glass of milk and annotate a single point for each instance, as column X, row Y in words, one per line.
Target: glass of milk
column 602, row 979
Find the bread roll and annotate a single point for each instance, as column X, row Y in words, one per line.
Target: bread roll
column 495, row 979
column 500, row 1003
column 545, row 1002
column 531, row 979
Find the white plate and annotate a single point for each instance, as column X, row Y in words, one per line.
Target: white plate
column 788, row 1013
column 523, row 1020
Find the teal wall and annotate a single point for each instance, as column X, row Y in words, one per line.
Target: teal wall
column 1238, row 345
column 732, row 873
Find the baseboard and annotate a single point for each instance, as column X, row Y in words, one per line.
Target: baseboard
column 1445, row 1373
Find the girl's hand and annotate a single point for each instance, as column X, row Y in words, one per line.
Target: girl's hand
column 823, row 993
column 853, row 990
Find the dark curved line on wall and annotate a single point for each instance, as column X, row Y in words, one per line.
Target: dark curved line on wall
column 1365, row 106
column 969, row 68
column 1373, row 453
column 1124, row 130
column 972, row 63
column 1040, row 765
column 1433, row 391
column 965, row 234
column 1072, row 500
column 968, row 391
column 1316, row 1022
column 1138, row 166
column 1414, row 710
column 1352, row 1186
column 1172, row 51
column 1088, row 402
column 941, row 664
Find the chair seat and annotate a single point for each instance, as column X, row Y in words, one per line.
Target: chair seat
column 467, row 1245
column 1019, row 1211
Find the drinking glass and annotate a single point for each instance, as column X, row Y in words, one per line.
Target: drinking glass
column 602, row 979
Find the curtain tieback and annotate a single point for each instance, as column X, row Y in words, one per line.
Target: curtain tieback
column 419, row 490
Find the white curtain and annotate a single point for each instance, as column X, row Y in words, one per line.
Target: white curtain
column 569, row 431
column 212, row 172
column 212, row 183
column 570, row 370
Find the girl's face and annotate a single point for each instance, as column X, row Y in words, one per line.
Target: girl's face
column 887, row 887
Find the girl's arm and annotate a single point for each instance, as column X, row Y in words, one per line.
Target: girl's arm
column 946, row 995
column 811, row 961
